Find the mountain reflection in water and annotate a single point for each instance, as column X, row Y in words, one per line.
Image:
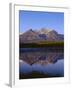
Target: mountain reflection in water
column 41, row 64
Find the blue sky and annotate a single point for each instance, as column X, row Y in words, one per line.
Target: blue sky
column 38, row 20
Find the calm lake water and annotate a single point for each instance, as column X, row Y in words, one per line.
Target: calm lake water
column 41, row 63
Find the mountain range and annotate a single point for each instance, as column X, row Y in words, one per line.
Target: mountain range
column 43, row 34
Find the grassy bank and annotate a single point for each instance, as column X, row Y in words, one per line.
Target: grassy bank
column 41, row 44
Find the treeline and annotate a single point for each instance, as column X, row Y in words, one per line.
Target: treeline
column 41, row 44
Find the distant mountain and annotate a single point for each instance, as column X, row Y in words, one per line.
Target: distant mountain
column 40, row 35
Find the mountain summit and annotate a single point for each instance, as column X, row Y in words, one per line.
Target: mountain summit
column 40, row 35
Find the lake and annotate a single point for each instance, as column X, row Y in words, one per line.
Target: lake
column 41, row 63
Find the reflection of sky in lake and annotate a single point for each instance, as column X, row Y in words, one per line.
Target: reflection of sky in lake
column 49, row 63
column 54, row 69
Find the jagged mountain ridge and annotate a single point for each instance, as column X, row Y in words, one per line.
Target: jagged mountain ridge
column 40, row 35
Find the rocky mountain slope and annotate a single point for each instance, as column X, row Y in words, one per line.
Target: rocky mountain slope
column 40, row 35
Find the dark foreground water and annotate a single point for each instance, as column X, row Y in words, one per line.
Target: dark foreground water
column 41, row 63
